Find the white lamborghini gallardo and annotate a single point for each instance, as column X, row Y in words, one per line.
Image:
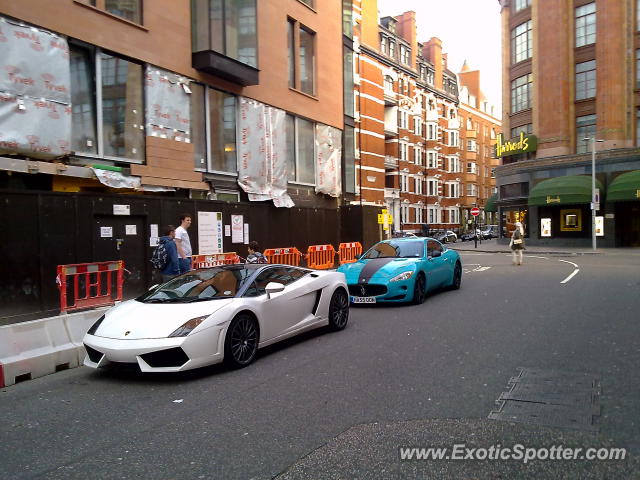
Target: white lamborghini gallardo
column 218, row 314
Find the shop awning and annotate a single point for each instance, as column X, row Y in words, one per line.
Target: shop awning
column 625, row 187
column 490, row 206
column 563, row 191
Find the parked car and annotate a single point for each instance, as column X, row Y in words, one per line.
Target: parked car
column 469, row 236
column 223, row 313
column 402, row 270
column 446, row 237
column 490, row 231
column 404, row 235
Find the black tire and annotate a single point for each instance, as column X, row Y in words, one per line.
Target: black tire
column 241, row 342
column 420, row 289
column 338, row 310
column 457, row 277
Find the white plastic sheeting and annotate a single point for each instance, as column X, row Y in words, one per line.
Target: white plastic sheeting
column 168, row 104
column 35, row 93
column 262, row 161
column 116, row 179
column 328, row 160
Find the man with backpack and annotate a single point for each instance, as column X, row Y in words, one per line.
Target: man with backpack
column 165, row 256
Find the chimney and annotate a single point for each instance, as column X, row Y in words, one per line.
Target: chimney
column 407, row 30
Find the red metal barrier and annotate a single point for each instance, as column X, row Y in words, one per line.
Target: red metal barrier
column 213, row 260
column 285, row 256
column 97, row 279
column 347, row 252
column 321, row 257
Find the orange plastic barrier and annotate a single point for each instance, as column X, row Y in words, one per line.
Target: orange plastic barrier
column 321, row 256
column 285, row 256
column 89, row 284
column 215, row 259
column 347, row 252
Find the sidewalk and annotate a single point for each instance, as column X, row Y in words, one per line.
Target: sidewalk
column 491, row 246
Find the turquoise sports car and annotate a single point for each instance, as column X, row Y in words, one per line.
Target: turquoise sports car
column 402, row 270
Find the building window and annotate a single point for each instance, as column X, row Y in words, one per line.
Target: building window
column 472, row 167
column 526, row 129
column 301, row 142
column 586, row 24
column 349, row 159
column 388, row 84
column 83, row 113
column 471, row 145
column 431, row 131
column 403, row 119
column 392, row 49
column 638, row 68
column 198, row 125
column 585, row 127
column 521, row 5
column 349, row 103
column 585, row 80
column 222, row 131
column 308, row 2
column 454, row 165
column 231, row 28
column 404, row 54
column 347, row 18
column 493, row 134
column 417, row 155
column 419, row 215
column 521, row 42
column 432, row 159
column 404, row 214
column 128, row 9
column 383, row 44
column 122, row 107
column 432, row 187
column 302, row 57
column 404, row 183
column 419, row 185
column 472, row 190
column 521, row 93
column 404, row 149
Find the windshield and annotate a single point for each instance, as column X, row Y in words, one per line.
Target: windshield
column 391, row 249
column 199, row 285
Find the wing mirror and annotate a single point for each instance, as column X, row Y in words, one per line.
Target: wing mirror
column 273, row 287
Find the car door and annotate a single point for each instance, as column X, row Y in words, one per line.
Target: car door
column 437, row 265
column 284, row 311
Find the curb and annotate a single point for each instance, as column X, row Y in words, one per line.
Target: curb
column 544, row 252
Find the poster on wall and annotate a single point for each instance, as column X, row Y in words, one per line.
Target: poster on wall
column 210, row 233
column 237, row 229
column 545, row 227
column 599, row 226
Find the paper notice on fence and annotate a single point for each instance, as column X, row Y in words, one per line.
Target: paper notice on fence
column 237, row 232
column 209, row 233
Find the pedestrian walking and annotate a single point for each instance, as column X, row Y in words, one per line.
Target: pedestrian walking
column 167, row 253
column 517, row 243
column 255, row 256
column 183, row 243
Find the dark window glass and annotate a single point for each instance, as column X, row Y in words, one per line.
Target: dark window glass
column 198, row 126
column 521, row 42
column 349, row 106
column 521, row 93
column 585, row 127
column 240, row 31
column 347, row 18
column 291, row 146
column 222, row 131
column 122, row 108
column 306, row 149
column 349, row 160
column 391, row 249
column 291, row 28
column 586, row 80
column 307, row 60
column 282, row 275
column 586, row 24
column 83, row 100
column 129, row 9
column 514, row 190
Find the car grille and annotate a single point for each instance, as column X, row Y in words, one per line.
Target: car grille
column 367, row 290
column 94, row 355
column 172, row 357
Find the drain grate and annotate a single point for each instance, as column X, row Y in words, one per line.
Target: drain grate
column 551, row 398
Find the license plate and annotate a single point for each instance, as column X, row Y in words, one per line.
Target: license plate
column 363, row 299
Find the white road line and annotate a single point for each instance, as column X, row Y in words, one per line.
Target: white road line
column 481, row 269
column 575, row 272
column 536, row 256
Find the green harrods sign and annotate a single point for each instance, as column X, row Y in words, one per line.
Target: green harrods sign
column 523, row 144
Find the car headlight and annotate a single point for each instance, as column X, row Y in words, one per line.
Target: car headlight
column 188, row 326
column 402, row 276
column 94, row 327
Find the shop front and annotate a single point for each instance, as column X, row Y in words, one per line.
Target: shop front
column 624, row 194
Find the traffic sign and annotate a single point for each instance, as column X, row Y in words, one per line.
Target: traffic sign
column 475, row 211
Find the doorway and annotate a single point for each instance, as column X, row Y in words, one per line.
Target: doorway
column 627, row 224
column 123, row 238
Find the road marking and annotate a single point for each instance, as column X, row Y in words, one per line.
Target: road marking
column 536, row 256
column 573, row 274
column 481, row 269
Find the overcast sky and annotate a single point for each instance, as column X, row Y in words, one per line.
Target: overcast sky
column 469, row 30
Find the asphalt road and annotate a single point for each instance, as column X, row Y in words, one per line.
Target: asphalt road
column 339, row 405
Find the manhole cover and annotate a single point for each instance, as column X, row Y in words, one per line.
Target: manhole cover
column 551, row 398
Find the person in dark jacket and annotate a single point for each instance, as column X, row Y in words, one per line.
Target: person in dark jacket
column 172, row 268
column 254, row 254
column 517, row 243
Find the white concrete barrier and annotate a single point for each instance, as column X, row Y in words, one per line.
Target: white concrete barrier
column 40, row 347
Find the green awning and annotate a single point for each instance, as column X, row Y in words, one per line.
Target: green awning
column 625, row 187
column 490, row 206
column 563, row 191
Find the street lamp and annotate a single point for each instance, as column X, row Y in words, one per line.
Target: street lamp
column 593, row 188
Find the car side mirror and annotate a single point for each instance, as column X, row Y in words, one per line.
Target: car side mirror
column 273, row 287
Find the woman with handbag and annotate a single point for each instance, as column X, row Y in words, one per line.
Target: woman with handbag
column 517, row 243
